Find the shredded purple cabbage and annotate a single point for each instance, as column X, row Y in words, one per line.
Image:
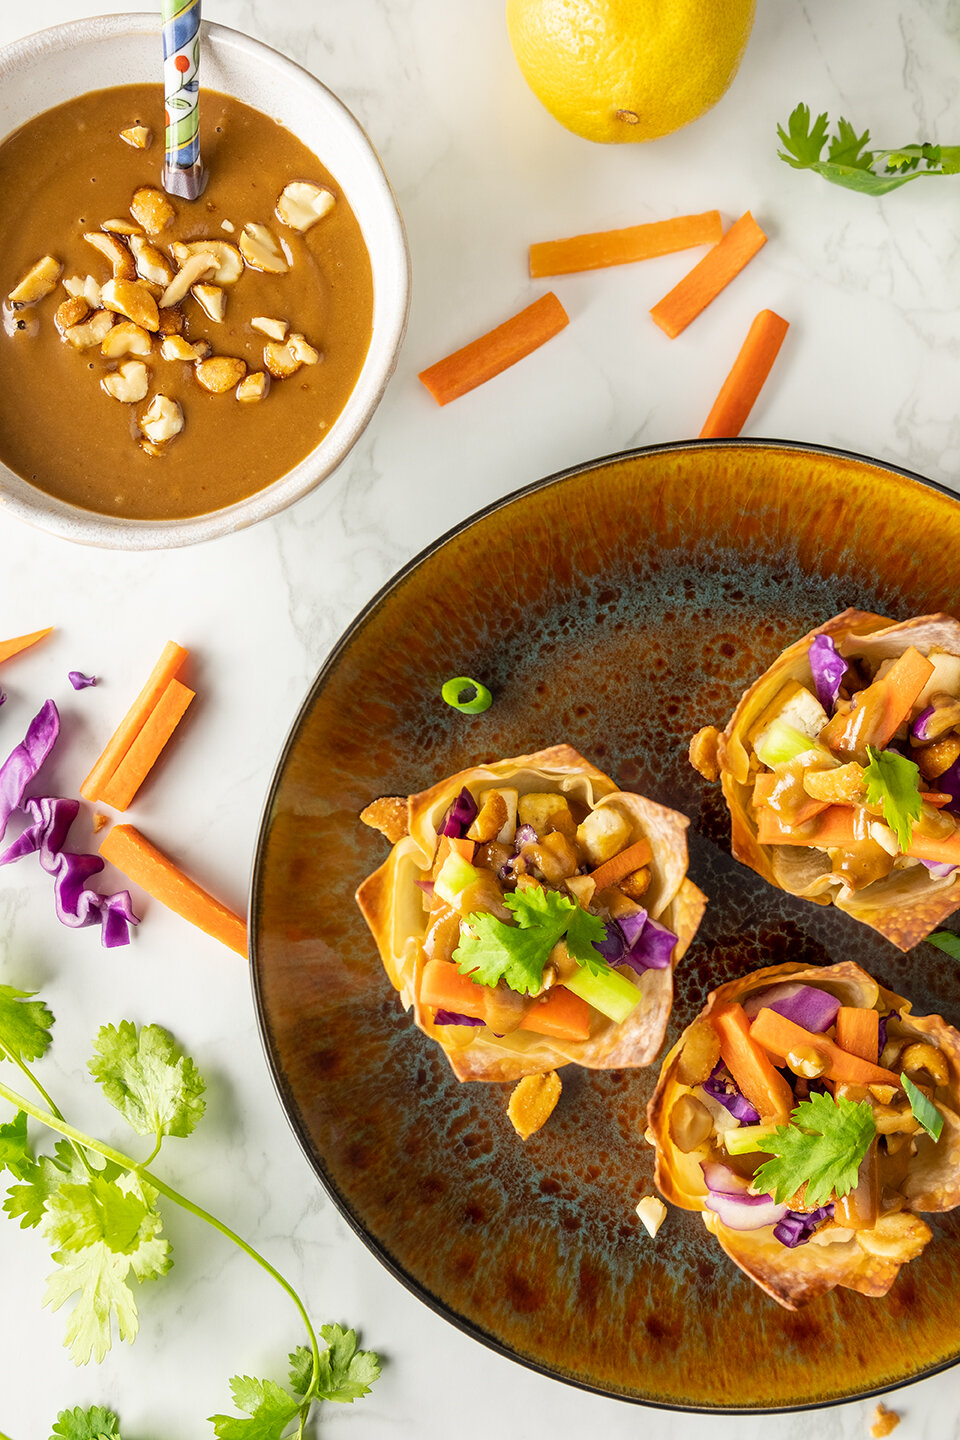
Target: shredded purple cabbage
column 452, row 1017
column 805, row 1005
column 882, row 1031
column 796, row 1227
column 77, row 904
column 721, row 1088
column 24, row 761
column 612, row 945
column 79, row 681
column 526, row 835
column 939, row 869
column 828, row 669
column 919, row 727
column 949, row 784
column 460, row 816
column 637, row 942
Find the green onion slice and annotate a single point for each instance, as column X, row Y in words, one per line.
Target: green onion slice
column 946, row 940
column 453, row 692
column 923, row 1109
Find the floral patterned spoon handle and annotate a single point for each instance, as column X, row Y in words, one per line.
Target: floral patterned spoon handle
column 183, row 172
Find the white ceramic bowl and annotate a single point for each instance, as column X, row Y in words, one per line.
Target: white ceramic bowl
column 56, row 65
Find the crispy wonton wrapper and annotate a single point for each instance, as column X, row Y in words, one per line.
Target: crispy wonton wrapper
column 392, row 906
column 909, row 903
column 870, row 1261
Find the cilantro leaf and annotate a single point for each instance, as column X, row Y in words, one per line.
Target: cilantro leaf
column 301, row 1369
column 850, row 164
column 93, row 1424
column 517, row 953
column 946, row 940
column 268, row 1405
column 345, row 1373
column 24, row 1024
column 821, row 1149
column 104, row 1228
column 29, row 1200
column 923, row 1109
column 157, row 1089
column 583, row 930
column 893, row 783
column 803, row 141
column 15, row 1153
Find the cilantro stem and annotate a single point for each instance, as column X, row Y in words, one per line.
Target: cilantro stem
column 12, row 1055
column 55, row 1121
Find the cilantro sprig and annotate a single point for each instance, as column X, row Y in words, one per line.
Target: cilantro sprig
column 893, row 783
column 849, row 163
column 99, row 1209
column 492, row 950
column 821, row 1149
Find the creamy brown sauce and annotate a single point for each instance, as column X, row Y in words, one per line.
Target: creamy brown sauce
column 66, row 172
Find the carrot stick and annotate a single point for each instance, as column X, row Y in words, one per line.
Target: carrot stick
column 833, row 826
column 756, row 1078
column 880, row 709
column 559, row 1013
column 9, row 648
column 623, row 864
column 782, row 1037
column 745, row 381
column 705, row 281
column 858, row 1031
column 763, row 789
column 621, row 247
column 141, row 862
column 133, row 722
column 143, row 753
column 496, row 351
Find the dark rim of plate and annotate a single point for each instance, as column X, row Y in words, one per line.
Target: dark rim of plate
column 410, row 1282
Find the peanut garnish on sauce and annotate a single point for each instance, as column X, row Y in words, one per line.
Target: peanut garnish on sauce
column 128, row 383
column 253, row 387
column 261, row 250
column 302, row 204
column 138, row 136
column 39, row 281
column 162, row 420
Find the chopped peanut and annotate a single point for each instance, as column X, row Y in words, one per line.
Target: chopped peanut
column 261, row 250
column 699, row 1054
column 174, row 347
column 652, row 1213
column 302, row 350
column 301, row 204
column 39, row 281
column 121, row 227
column 491, row 819
column 126, row 339
column 138, row 136
column 71, row 312
column 129, row 383
column 273, row 329
column 389, row 815
column 921, row 1055
column 532, row 1102
column 884, row 1421
column 703, row 752
column 162, row 420
column 220, row 373
column 151, row 209
column 195, row 267
column 844, row 785
column 114, row 252
column 91, row 332
column 936, row 758
column 253, row 387
column 133, row 299
column 636, row 884
column 171, row 320
column 211, row 300
column 227, row 260
column 151, row 263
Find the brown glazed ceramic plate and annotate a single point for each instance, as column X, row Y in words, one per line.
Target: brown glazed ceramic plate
column 618, row 606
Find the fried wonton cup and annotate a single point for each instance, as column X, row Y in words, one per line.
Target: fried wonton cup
column 916, row 1175
column 392, row 905
column 911, row 901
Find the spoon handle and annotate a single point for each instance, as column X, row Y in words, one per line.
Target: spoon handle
column 183, row 172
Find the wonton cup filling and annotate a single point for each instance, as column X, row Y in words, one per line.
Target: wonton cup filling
column 908, row 903
column 392, row 904
column 869, row 1259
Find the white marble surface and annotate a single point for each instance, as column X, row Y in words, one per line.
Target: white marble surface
column 872, row 362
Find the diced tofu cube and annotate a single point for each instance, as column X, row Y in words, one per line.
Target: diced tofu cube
column 603, row 834
column 796, row 706
column 542, row 811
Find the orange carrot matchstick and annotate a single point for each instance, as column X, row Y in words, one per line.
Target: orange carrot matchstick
column 133, row 722
column 621, row 247
column 705, row 281
column 140, row 759
column 745, row 381
column 148, row 867
column 9, row 648
column 496, row 351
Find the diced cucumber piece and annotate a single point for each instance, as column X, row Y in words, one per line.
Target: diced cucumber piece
column 781, row 742
column 747, row 1138
column 610, row 992
column 453, row 877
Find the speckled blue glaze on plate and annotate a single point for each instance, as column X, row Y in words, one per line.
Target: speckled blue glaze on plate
column 619, row 607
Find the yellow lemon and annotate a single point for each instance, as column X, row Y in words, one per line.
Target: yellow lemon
column 618, row 70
